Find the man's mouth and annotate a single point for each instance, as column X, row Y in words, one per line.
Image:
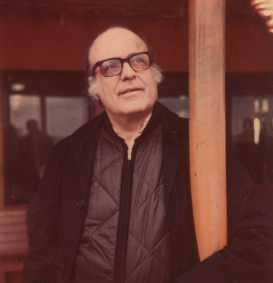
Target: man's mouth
column 128, row 90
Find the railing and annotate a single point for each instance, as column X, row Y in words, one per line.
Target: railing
column 13, row 244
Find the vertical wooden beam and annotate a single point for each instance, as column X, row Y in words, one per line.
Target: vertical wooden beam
column 2, row 169
column 207, row 123
column 2, row 188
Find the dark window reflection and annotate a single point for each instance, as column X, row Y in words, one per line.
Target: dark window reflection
column 248, row 152
column 31, row 136
column 21, row 109
column 13, row 164
column 26, row 158
column 65, row 115
column 266, row 151
column 252, row 136
column 179, row 105
column 24, row 147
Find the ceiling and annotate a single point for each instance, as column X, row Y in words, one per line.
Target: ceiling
column 112, row 8
column 97, row 8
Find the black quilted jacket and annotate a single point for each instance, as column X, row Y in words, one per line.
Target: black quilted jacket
column 57, row 215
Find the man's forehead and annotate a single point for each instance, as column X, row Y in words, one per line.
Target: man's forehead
column 116, row 42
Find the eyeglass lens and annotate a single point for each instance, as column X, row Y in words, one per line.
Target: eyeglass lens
column 113, row 67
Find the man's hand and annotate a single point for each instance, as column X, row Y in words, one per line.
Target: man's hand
column 265, row 9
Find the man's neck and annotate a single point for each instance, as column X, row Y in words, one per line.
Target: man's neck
column 129, row 127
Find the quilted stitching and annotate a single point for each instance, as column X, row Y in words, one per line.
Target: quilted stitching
column 148, row 241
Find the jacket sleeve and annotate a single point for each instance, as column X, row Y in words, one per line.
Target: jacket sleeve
column 248, row 257
column 42, row 223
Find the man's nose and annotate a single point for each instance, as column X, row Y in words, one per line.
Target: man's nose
column 127, row 72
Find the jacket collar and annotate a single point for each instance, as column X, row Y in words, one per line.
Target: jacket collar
column 83, row 149
column 175, row 147
column 151, row 125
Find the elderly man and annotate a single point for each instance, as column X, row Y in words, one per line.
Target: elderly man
column 114, row 204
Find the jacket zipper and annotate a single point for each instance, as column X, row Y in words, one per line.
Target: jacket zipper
column 124, row 220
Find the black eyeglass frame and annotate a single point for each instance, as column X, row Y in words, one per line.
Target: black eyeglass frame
column 122, row 60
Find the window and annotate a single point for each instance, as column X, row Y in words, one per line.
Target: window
column 43, row 108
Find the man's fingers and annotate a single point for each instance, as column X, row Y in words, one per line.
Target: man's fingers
column 269, row 23
column 263, row 5
column 265, row 9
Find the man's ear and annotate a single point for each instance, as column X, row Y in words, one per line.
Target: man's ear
column 92, row 87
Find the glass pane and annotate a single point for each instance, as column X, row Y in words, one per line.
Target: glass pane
column 27, row 148
column 178, row 105
column 23, row 108
column 65, row 115
column 252, row 135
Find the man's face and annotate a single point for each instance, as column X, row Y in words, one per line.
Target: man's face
column 131, row 91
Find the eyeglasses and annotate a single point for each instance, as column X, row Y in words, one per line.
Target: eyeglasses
column 113, row 66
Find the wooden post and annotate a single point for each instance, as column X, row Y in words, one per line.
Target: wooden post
column 207, row 123
column 2, row 183
column 2, row 188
